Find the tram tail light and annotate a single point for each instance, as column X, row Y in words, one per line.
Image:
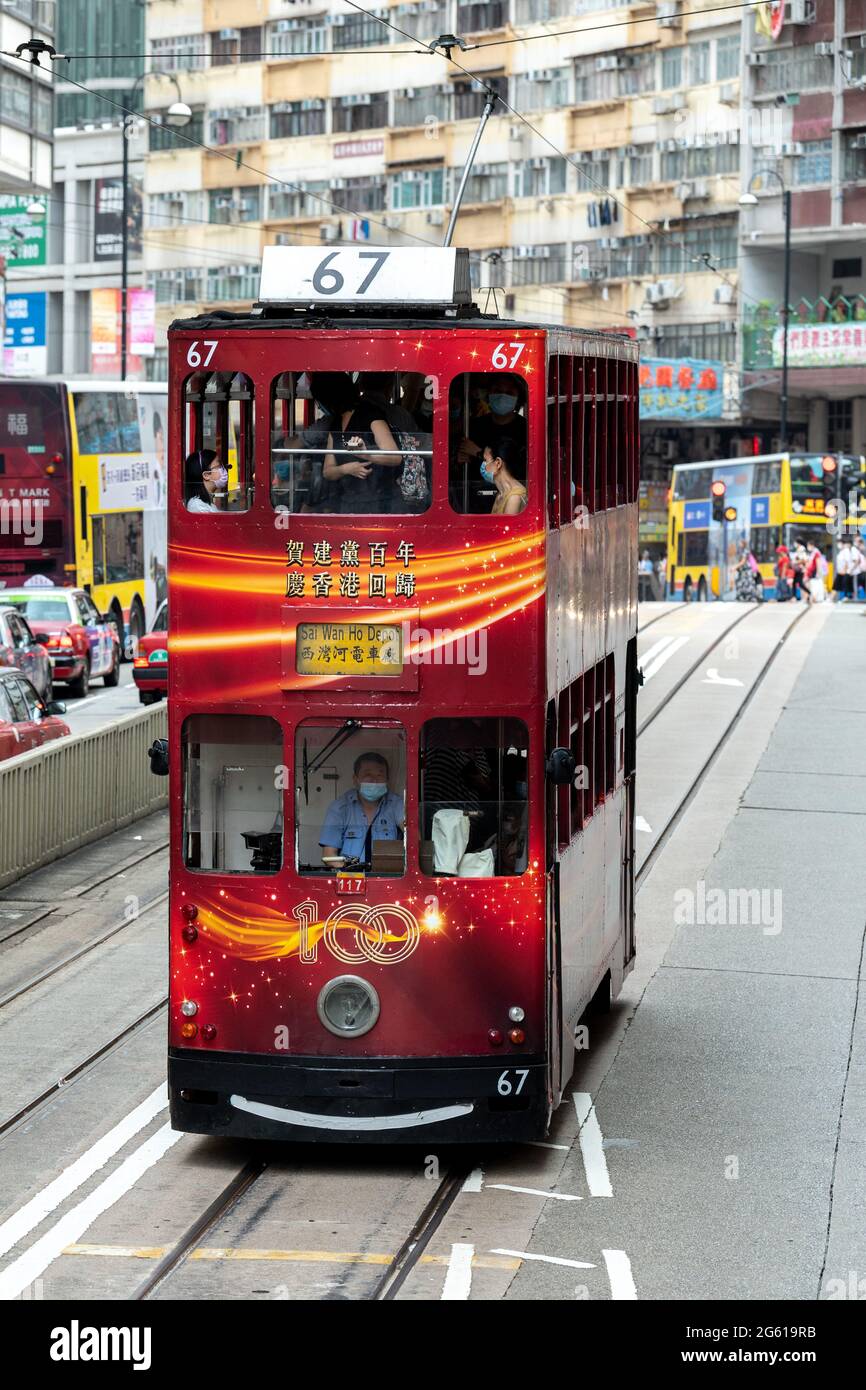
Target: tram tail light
column 189, row 911
column 208, row 1032
column 517, row 1035
column 188, row 1030
column 189, row 933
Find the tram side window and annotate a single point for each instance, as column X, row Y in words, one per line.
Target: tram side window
column 232, row 808
column 352, row 443
column 350, row 798
column 473, row 798
column 218, row 442
column 487, row 443
column 587, row 726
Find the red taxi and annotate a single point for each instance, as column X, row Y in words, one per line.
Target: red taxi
column 82, row 643
column 150, row 664
column 26, row 720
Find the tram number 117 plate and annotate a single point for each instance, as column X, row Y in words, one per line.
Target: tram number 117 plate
column 351, row 883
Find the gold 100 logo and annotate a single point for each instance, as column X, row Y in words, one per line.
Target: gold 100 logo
column 383, row 934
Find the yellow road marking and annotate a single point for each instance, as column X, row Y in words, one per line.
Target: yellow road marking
column 209, row 1252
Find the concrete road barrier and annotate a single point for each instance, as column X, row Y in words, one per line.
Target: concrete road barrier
column 77, row 789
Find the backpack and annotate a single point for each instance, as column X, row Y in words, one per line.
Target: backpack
column 412, row 482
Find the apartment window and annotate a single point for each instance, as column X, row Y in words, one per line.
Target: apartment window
column 234, row 205
column 699, row 63
column 303, row 200
column 236, row 46
column 292, row 118
column 539, row 178
column 631, row 257
column 727, row 57
column 290, row 36
column 540, row 265
column 815, row 163
column 417, row 105
column 488, row 183
column 360, row 112
column 489, row 14
column 672, row 68
column 416, row 188
column 792, row 70
column 171, row 209
column 685, row 250
column 178, row 286
column 709, row 341
column 183, row 53
column 359, row 30
column 700, row 161
column 593, row 175
column 14, row 97
column 43, row 109
column 232, row 282
column 469, row 97
column 537, row 91
column 606, row 77
column 849, row 268
column 360, row 195
column 635, row 168
column 164, row 137
column 238, row 126
column 475, row 261
column 857, row 60
column 422, row 20
column 853, row 161
column 840, row 424
column 540, row 11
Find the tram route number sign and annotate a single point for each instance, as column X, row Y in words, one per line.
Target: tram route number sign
column 349, row 649
column 377, row 275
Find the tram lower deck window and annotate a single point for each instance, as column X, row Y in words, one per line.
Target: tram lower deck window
column 352, row 444
column 487, row 443
column 473, row 797
column 350, row 798
column 232, row 808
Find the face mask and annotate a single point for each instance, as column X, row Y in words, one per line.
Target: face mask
column 373, row 791
column 222, row 476
column 502, row 404
column 486, row 474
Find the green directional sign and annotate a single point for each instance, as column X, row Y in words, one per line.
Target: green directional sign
column 22, row 238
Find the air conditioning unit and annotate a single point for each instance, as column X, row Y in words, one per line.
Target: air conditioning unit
column 515, row 132
column 282, row 26
column 729, row 94
column 337, row 183
column 824, row 50
column 792, row 147
column 757, row 60
column 633, row 151
column 226, row 35
column 800, row 12
column 329, row 231
column 338, row 20
column 538, row 163
column 661, row 292
column 593, row 272
column 724, row 294
column 859, row 141
column 609, row 63
column 665, row 106
column 668, row 14
column 668, row 450
column 436, row 218
column 691, row 190
column 546, row 75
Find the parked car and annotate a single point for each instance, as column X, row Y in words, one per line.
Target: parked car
column 82, row 642
column 26, row 720
column 22, row 648
column 150, row 665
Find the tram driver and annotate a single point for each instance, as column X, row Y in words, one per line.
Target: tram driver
column 204, row 478
column 368, row 812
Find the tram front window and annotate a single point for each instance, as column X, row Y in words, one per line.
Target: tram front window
column 487, row 443
column 232, row 808
column 350, row 799
column 473, row 797
column 351, row 443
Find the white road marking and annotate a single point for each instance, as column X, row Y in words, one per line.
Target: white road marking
column 591, row 1146
column 458, row 1279
column 535, row 1192
column 669, row 651
column 545, row 1259
column 70, row 1228
column 713, row 678
column 654, row 650
column 641, row 824
column 474, row 1182
column 45, row 1202
column 619, row 1274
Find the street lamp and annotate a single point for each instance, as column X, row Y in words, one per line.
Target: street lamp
column 178, row 114
column 749, row 200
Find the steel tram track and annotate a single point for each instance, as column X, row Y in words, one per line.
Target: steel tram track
column 694, row 666
column 676, row 608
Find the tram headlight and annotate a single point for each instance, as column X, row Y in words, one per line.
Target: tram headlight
column 516, row 1014
column 348, row 1006
column 188, row 1008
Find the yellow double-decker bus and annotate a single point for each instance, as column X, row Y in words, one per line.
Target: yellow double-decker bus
column 82, row 493
column 777, row 498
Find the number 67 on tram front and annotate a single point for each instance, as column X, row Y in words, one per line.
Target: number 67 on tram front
column 402, row 703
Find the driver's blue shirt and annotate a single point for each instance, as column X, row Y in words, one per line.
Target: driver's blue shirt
column 346, row 823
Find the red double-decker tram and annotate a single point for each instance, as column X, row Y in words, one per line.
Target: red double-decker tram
column 402, row 696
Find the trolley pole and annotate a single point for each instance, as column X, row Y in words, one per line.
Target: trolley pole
column 489, row 104
column 127, row 132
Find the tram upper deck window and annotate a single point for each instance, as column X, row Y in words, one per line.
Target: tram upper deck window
column 350, row 798
column 487, row 443
column 473, row 797
column 232, row 808
column 351, row 444
column 218, row 442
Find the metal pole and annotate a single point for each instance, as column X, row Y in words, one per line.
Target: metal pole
column 783, row 404
column 470, row 159
column 124, row 244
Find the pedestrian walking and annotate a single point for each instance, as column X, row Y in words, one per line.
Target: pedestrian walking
column 843, row 586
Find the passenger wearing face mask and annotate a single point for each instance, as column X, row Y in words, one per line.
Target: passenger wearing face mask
column 205, row 479
column 499, row 466
column 368, row 811
column 502, row 421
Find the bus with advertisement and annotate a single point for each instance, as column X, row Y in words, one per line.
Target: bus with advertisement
column 82, row 493
column 772, row 499
column 402, row 703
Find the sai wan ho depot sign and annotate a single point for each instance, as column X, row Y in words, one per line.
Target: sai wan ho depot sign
column 680, row 388
column 822, row 345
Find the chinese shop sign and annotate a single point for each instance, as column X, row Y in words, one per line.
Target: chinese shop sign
column 681, row 388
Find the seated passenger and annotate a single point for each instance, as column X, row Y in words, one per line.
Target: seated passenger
column 360, row 428
column 499, row 466
column 204, row 478
column 368, row 811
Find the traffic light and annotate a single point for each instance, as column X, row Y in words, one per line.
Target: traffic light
column 831, row 483
column 730, row 513
column 717, row 491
